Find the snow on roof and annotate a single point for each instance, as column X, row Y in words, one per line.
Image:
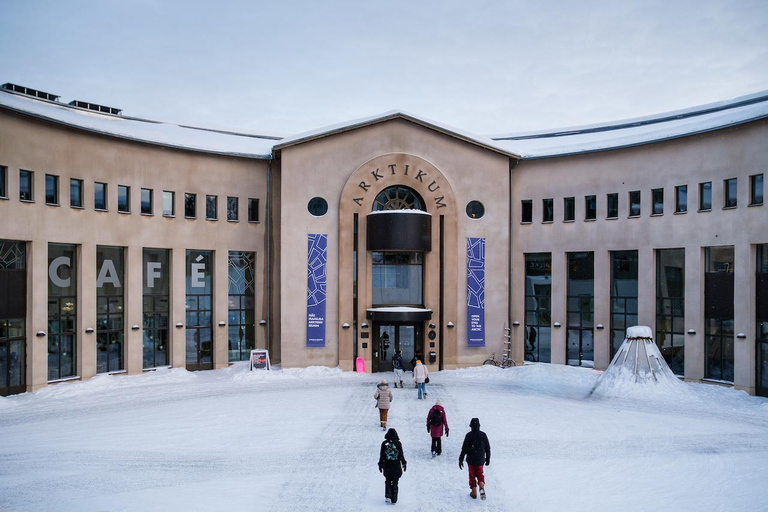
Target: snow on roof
column 143, row 130
column 639, row 331
column 480, row 140
column 400, row 211
column 638, row 131
column 400, row 309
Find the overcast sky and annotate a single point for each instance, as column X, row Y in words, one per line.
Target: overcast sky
column 285, row 66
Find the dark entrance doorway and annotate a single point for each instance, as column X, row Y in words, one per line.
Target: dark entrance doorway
column 13, row 313
column 408, row 337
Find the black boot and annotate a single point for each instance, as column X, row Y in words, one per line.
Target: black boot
column 387, row 491
column 394, row 492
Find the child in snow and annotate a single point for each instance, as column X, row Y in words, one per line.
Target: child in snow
column 477, row 449
column 391, row 463
column 420, row 376
column 398, row 364
column 436, row 420
column 383, row 398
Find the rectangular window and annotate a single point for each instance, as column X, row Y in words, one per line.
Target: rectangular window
column 590, row 207
column 538, row 301
column 51, row 189
column 705, row 196
column 13, row 315
column 253, row 210
column 156, row 307
column 657, row 195
column 634, row 203
column 755, row 189
column 100, row 196
column 397, row 278
column 670, row 307
column 580, row 347
column 3, row 182
column 729, row 193
column 548, row 212
column 26, row 185
column 527, row 211
column 718, row 313
column 681, row 199
column 199, row 310
column 211, row 207
column 62, row 311
column 624, row 290
column 232, row 209
column 242, row 291
column 75, row 193
column 569, row 209
column 123, row 199
column 190, row 205
column 169, row 203
column 612, row 204
column 109, row 309
column 146, row 201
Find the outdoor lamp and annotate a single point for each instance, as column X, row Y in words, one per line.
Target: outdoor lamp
column 222, row 323
column 556, row 324
column 515, row 323
column 179, row 325
column 450, row 325
column 691, row 331
column 741, row 336
column 40, row 334
column 345, row 325
column 135, row 327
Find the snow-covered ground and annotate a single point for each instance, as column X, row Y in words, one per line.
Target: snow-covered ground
column 308, row 439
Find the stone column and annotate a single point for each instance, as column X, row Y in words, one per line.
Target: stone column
column 744, row 298
column 559, row 298
column 694, row 313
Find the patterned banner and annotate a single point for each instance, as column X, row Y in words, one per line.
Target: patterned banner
column 476, row 291
column 317, row 257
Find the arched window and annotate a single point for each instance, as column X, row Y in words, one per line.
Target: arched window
column 398, row 198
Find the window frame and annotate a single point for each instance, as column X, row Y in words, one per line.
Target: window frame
column 654, row 211
column 588, row 207
column 615, row 197
column 96, row 186
column 127, row 208
column 681, row 206
column 632, row 202
column 215, row 207
column 81, row 191
column 236, row 200
column 727, row 184
column 251, row 201
column 31, row 177
column 54, row 201
column 753, row 189
column 569, row 209
column 151, row 210
column 3, row 182
column 172, row 194
column 702, row 186
column 529, row 204
column 550, row 210
column 187, row 197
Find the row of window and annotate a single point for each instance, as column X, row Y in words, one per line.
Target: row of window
column 100, row 198
column 657, row 201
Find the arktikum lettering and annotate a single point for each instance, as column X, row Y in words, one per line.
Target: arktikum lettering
column 420, row 175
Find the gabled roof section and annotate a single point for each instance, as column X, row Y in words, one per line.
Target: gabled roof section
column 142, row 130
column 477, row 140
column 638, row 131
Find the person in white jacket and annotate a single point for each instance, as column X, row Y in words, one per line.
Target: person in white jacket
column 421, row 376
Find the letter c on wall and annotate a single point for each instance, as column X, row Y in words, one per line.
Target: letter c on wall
column 53, row 272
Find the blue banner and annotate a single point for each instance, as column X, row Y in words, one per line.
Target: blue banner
column 476, row 291
column 317, row 258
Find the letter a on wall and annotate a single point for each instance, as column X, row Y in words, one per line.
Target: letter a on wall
column 476, row 291
column 317, row 257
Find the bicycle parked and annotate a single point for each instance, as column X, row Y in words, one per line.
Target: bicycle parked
column 504, row 362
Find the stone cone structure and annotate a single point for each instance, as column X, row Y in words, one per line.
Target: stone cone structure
column 638, row 361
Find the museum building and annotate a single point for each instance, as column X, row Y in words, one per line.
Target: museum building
column 130, row 244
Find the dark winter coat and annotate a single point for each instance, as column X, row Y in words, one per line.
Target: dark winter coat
column 437, row 431
column 398, row 362
column 476, row 447
column 392, row 469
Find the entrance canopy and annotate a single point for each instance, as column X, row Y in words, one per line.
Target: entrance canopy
column 399, row 314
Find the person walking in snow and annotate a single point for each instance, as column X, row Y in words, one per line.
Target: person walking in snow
column 392, row 464
column 436, row 421
column 477, row 450
column 421, row 377
column 383, row 398
column 398, row 364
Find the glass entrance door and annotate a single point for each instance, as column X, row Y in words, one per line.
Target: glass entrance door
column 405, row 337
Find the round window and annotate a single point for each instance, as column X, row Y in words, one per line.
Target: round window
column 317, row 206
column 475, row 209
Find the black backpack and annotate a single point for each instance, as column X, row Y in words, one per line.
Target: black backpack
column 391, row 452
column 436, row 418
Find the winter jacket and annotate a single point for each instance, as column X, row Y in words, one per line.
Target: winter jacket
column 392, row 469
column 398, row 363
column 383, row 396
column 476, row 447
column 437, row 431
column 420, row 373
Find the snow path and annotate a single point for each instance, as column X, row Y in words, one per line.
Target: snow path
column 308, row 439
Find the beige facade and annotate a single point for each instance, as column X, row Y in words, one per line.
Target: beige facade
column 347, row 168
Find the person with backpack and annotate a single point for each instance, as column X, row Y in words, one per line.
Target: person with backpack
column 477, row 449
column 383, row 398
column 392, row 464
column 421, row 377
column 436, row 420
column 399, row 366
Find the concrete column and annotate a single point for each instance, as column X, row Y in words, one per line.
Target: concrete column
column 744, row 298
column 602, row 309
column 646, row 287
column 133, row 290
column 694, row 313
column 178, row 309
column 37, row 314
column 86, row 310
column 559, row 315
column 220, row 307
